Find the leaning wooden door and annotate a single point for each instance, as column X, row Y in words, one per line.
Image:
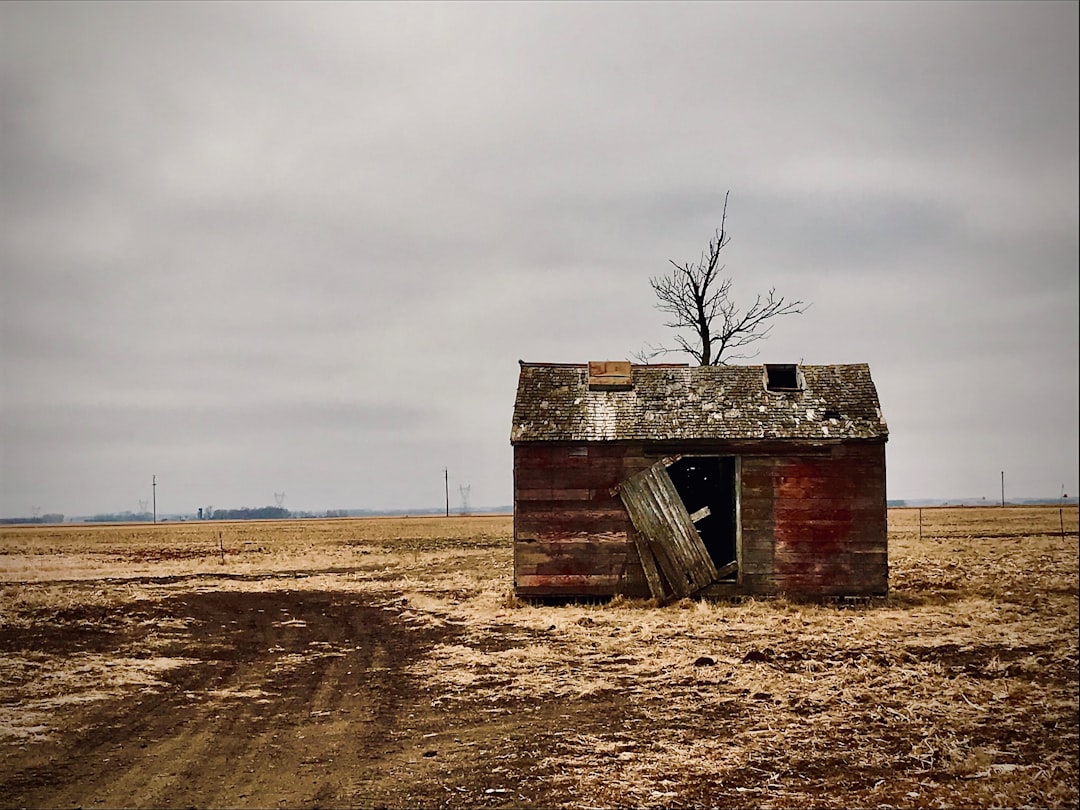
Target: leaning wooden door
column 666, row 533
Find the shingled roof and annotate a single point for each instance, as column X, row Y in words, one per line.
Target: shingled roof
column 554, row 403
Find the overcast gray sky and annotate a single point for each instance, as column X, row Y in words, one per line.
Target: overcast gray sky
column 262, row 248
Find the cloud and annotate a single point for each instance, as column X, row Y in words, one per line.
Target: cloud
column 301, row 235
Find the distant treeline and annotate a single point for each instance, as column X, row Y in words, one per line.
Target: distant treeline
column 1064, row 500
column 40, row 519
column 437, row 510
column 122, row 517
column 261, row 513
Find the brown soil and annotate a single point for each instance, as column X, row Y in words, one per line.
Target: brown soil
column 297, row 698
column 286, row 699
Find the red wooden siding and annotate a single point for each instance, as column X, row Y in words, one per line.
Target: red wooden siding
column 570, row 530
column 830, row 523
column 812, row 518
column 756, row 524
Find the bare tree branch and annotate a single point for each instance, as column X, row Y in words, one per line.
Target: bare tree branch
column 697, row 297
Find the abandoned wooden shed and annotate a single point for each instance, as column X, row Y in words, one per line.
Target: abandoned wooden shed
column 669, row 481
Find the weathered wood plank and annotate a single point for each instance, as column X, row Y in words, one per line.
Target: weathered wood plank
column 678, row 533
column 757, row 518
column 764, row 491
column 727, row 570
column 658, row 514
column 876, row 585
column 600, row 474
column 547, row 534
column 556, row 566
column 650, row 568
column 583, row 551
column 813, row 506
column 654, row 531
column 700, row 514
column 567, row 585
column 692, row 554
column 754, row 584
column 813, row 541
column 603, row 502
column 722, row 590
column 765, row 448
column 847, row 559
column 538, row 518
column 554, row 494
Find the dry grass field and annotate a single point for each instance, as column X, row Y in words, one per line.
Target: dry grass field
column 385, row 663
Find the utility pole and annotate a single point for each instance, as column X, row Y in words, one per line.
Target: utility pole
column 153, row 486
column 446, row 486
column 1002, row 487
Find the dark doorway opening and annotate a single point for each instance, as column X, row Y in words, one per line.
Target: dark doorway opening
column 708, row 483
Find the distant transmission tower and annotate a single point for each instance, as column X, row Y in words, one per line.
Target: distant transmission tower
column 464, row 490
column 142, row 507
column 279, row 499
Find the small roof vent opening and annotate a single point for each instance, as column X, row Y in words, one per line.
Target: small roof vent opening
column 782, row 377
column 610, row 375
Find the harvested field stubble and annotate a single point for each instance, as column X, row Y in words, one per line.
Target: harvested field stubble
column 386, row 663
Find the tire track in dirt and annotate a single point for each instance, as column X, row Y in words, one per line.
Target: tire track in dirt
column 294, row 699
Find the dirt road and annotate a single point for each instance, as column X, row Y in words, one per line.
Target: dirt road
column 287, row 698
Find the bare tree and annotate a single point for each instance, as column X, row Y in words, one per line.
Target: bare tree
column 698, row 298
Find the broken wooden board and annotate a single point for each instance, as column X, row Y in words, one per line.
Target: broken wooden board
column 658, row 514
column 727, row 570
column 653, row 576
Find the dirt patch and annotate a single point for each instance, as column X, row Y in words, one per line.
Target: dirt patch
column 284, row 698
column 290, row 698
